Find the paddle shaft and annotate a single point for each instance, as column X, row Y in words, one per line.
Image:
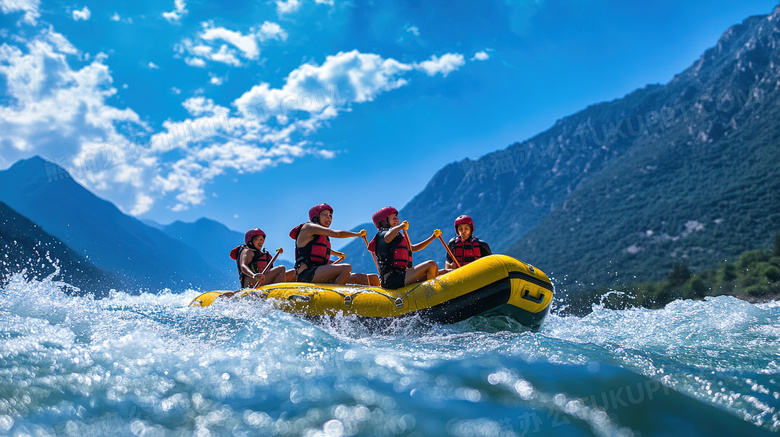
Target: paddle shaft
column 408, row 240
column 342, row 256
column 268, row 266
column 449, row 251
column 373, row 255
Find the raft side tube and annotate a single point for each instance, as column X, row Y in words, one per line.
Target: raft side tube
column 328, row 299
column 206, row 299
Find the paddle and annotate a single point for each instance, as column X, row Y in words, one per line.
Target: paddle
column 268, row 266
column 406, row 234
column 373, row 255
column 449, row 251
column 341, row 256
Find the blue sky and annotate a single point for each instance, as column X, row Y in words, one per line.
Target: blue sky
column 251, row 112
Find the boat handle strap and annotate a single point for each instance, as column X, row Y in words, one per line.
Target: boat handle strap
column 300, row 297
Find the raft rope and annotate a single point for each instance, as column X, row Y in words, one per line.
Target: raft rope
column 399, row 302
column 348, row 298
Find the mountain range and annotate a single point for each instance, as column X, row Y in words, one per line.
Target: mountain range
column 622, row 190
column 700, row 187
column 618, row 192
column 213, row 241
column 140, row 256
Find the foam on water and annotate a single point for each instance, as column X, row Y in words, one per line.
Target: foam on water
column 149, row 365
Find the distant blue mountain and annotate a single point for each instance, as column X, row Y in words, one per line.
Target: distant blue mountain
column 25, row 247
column 152, row 223
column 143, row 257
column 213, row 241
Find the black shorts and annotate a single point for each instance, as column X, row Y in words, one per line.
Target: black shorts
column 395, row 280
column 247, row 282
column 306, row 275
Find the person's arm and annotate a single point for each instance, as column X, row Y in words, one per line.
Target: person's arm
column 246, row 258
column 423, row 244
column 393, row 232
column 309, row 230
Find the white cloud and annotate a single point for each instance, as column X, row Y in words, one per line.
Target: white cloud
column 143, row 203
column 82, row 14
column 413, row 30
column 481, row 56
column 342, row 79
column 270, row 30
column 246, row 44
column 117, row 17
column 200, row 106
column 218, row 44
column 179, row 11
column 55, row 107
column 29, row 7
column 271, row 124
column 195, row 62
column 444, row 65
column 216, row 80
column 284, row 7
column 225, row 55
column 61, row 44
column 153, row 66
column 64, row 114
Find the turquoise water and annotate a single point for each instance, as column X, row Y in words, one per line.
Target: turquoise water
column 149, row 365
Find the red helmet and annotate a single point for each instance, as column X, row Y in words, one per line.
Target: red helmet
column 464, row 219
column 383, row 214
column 314, row 212
column 252, row 233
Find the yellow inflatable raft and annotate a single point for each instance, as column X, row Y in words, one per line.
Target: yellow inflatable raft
column 495, row 284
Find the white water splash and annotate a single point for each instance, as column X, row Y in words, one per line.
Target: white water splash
column 148, row 364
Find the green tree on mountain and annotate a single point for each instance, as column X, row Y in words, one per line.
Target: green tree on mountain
column 727, row 272
column 679, row 275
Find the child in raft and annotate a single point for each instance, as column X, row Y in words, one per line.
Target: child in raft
column 393, row 251
column 465, row 246
column 252, row 260
column 312, row 251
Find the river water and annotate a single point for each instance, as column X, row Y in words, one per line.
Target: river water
column 149, row 365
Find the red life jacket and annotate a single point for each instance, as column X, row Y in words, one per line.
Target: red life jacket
column 466, row 251
column 316, row 253
column 395, row 255
column 260, row 259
